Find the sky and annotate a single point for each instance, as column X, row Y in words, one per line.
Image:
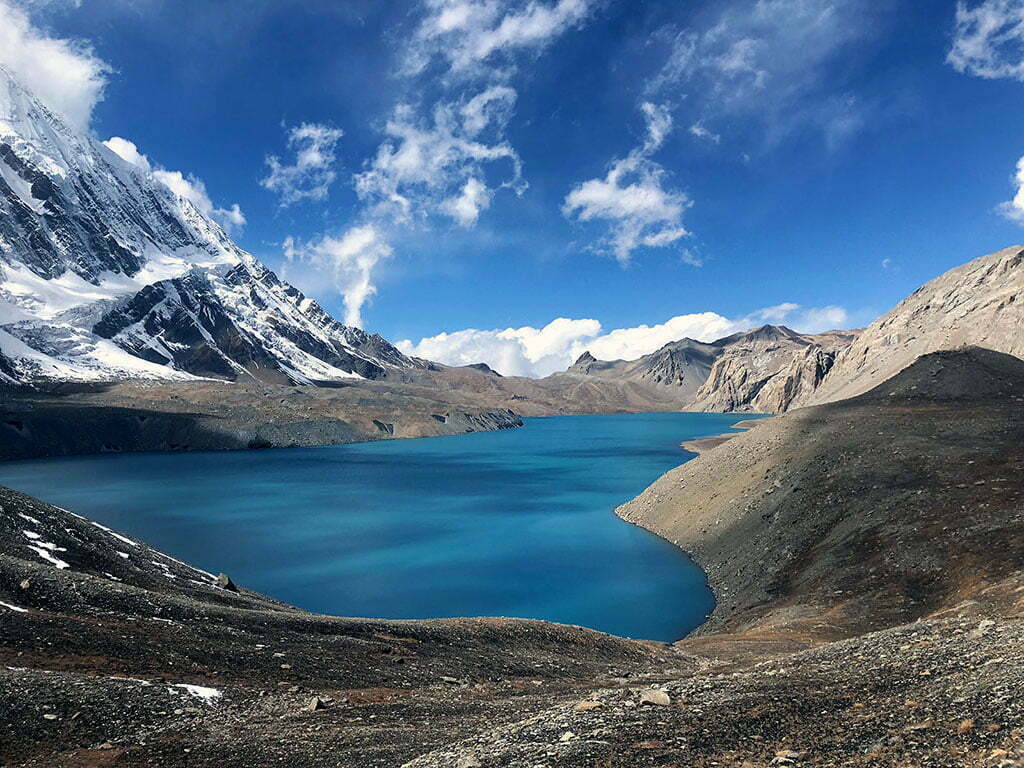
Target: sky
column 517, row 181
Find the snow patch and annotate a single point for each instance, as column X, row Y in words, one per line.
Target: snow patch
column 209, row 695
column 13, row 608
column 45, row 549
column 116, row 535
column 49, row 558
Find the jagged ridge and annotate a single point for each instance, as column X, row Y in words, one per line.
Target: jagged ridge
column 105, row 273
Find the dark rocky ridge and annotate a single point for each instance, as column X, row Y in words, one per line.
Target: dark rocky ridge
column 195, row 416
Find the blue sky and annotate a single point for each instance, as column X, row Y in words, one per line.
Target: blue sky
column 481, row 168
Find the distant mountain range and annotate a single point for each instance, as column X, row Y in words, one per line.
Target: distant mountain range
column 764, row 370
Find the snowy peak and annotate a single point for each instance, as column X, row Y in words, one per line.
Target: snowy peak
column 105, row 273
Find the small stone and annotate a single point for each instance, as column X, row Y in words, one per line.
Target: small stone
column 650, row 744
column 316, row 703
column 467, row 761
column 450, row 680
column 567, row 736
column 965, row 726
column 286, row 666
column 587, row 706
column 226, row 583
column 25, row 584
column 655, row 698
column 49, row 716
column 105, row 745
column 922, row 726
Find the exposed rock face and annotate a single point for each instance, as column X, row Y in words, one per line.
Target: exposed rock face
column 106, row 274
column 762, row 370
column 980, row 303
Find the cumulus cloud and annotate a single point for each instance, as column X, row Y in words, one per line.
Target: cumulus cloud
column 769, row 61
column 522, row 351
column 988, row 39
column 631, row 198
column 441, row 164
column 66, row 75
column 538, row 352
column 312, row 172
column 1014, row 209
column 349, row 260
column 467, row 33
column 188, row 187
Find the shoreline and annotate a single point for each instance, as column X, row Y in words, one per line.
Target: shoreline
column 701, row 445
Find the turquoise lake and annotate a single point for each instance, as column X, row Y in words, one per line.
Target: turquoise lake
column 511, row 523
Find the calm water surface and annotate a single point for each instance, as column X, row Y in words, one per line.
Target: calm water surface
column 512, row 523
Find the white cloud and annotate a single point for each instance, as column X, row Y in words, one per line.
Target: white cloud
column 769, row 61
column 349, row 260
column 441, row 164
column 701, row 132
column 194, row 190
column 466, row 207
column 467, row 33
column 190, row 188
column 691, row 258
column 128, row 152
column 538, row 352
column 312, row 173
column 639, row 209
column 1014, row 209
column 66, row 75
column 988, row 39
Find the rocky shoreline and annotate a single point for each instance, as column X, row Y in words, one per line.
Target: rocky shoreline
column 147, row 416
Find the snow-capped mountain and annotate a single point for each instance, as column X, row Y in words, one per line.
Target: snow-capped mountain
column 105, row 273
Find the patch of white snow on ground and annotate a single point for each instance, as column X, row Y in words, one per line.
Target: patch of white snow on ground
column 48, row 557
column 13, row 607
column 209, row 695
column 45, row 549
column 115, row 534
column 29, row 518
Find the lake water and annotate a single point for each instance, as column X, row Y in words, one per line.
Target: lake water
column 511, row 523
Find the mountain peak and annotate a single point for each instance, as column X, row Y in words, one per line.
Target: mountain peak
column 106, row 274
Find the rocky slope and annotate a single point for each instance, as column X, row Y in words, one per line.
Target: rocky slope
column 868, row 556
column 762, row 370
column 980, row 303
column 106, row 274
